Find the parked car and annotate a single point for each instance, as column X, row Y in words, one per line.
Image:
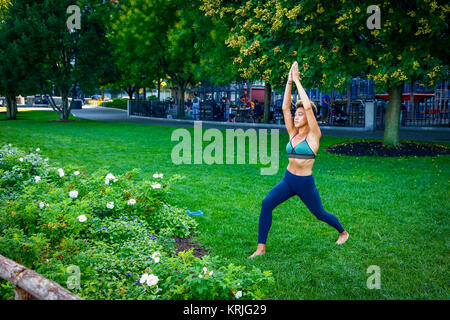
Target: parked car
column 37, row 100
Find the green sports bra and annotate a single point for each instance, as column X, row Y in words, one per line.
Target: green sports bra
column 301, row 150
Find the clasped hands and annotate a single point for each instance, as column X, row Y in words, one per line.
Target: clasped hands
column 294, row 74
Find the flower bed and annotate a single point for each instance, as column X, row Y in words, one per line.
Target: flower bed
column 114, row 233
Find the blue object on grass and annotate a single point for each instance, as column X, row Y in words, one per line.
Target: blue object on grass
column 195, row 213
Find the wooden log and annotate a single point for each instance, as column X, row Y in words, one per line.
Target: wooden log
column 32, row 283
column 20, row 294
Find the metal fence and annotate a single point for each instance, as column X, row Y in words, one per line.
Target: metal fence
column 343, row 114
column 339, row 114
column 430, row 107
column 158, row 109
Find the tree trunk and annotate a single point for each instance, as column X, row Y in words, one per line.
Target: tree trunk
column 412, row 107
column 391, row 134
column 55, row 108
column 130, row 91
column 249, row 91
column 65, row 106
column 11, row 107
column 267, row 99
column 181, row 88
column 136, row 89
column 159, row 89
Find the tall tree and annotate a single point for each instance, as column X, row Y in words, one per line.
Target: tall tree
column 76, row 58
column 41, row 53
column 334, row 41
column 164, row 37
column 216, row 63
column 19, row 67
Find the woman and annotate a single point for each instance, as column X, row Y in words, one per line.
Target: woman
column 227, row 107
column 304, row 134
column 195, row 106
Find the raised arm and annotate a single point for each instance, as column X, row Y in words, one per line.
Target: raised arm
column 288, row 121
column 312, row 122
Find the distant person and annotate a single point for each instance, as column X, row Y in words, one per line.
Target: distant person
column 226, row 108
column 258, row 111
column 195, row 107
column 325, row 105
column 244, row 101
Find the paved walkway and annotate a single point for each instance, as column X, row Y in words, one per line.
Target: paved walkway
column 117, row 115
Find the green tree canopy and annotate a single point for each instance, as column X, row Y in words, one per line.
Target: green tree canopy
column 39, row 53
column 173, row 38
column 332, row 43
column 19, row 67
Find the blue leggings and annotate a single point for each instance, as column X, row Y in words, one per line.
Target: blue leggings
column 291, row 185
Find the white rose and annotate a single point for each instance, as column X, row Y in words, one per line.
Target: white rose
column 38, row 149
column 200, row 276
column 143, row 278
column 21, row 159
column 156, row 185
column 41, row 205
column 211, row 273
column 110, row 176
column 37, row 179
column 156, row 175
column 131, row 202
column 82, row 218
column 110, row 205
column 76, row 173
column 156, row 256
column 152, row 280
column 205, row 270
column 238, row 294
column 61, row 172
column 73, row 194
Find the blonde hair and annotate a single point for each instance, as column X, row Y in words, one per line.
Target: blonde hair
column 299, row 104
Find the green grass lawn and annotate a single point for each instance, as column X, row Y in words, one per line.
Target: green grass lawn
column 398, row 219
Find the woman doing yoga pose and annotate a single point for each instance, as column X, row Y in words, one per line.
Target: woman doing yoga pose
column 304, row 134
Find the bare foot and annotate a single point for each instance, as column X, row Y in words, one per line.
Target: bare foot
column 259, row 251
column 342, row 237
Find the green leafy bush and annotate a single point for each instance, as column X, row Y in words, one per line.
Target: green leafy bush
column 116, row 231
column 117, row 103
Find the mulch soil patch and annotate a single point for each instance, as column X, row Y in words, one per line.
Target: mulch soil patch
column 377, row 148
column 185, row 244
